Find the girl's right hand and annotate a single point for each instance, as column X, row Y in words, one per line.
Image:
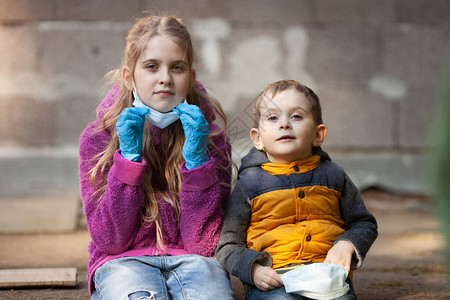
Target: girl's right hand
column 265, row 278
column 130, row 129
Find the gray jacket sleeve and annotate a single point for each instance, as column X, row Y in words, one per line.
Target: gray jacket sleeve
column 360, row 225
column 232, row 251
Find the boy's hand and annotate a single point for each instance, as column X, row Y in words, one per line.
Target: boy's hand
column 341, row 254
column 265, row 278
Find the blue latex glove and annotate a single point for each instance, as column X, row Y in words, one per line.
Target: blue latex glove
column 130, row 128
column 196, row 133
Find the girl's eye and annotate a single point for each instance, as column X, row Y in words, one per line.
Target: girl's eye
column 296, row 117
column 152, row 67
column 178, row 68
column 272, row 118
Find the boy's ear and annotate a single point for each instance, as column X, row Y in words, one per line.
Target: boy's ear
column 126, row 77
column 256, row 139
column 321, row 134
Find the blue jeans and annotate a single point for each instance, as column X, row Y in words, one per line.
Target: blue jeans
column 253, row 293
column 162, row 277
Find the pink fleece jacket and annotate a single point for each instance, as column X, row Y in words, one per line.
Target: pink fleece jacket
column 114, row 223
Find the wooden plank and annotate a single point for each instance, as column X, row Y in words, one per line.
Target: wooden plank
column 42, row 277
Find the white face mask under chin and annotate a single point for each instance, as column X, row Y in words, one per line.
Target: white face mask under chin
column 159, row 119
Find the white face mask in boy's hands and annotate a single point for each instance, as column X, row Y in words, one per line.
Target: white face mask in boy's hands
column 159, row 119
column 317, row 281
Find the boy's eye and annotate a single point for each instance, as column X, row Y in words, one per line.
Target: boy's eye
column 272, row 118
column 296, row 117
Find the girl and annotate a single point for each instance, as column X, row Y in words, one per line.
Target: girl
column 155, row 175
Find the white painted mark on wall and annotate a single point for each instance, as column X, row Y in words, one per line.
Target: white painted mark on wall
column 392, row 89
column 408, row 161
column 211, row 31
column 297, row 41
column 256, row 61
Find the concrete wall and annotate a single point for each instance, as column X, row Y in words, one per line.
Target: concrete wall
column 376, row 65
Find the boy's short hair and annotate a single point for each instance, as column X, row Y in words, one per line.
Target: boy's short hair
column 279, row 86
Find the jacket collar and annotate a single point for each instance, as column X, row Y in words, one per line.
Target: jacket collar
column 300, row 166
column 256, row 158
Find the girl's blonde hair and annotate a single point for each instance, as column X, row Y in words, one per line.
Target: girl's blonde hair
column 157, row 180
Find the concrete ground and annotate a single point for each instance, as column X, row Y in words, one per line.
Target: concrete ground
column 406, row 261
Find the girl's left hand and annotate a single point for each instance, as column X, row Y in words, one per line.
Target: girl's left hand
column 196, row 132
column 341, row 254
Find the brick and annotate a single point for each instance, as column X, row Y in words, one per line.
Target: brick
column 424, row 11
column 415, row 54
column 26, row 121
column 38, row 171
column 201, row 9
column 354, row 11
column 18, row 47
column 400, row 173
column 245, row 68
column 86, row 51
column 249, row 11
column 96, row 10
column 25, row 10
column 416, row 113
column 343, row 53
column 247, row 64
column 355, row 119
column 73, row 113
column 281, row 11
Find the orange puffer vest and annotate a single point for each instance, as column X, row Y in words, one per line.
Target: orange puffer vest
column 295, row 211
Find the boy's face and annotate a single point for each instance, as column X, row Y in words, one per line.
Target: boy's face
column 287, row 130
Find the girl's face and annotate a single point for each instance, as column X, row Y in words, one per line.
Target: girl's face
column 162, row 75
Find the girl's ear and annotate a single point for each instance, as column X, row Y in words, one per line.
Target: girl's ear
column 321, row 134
column 194, row 75
column 126, row 77
column 256, row 139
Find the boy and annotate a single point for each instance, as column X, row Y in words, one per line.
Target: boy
column 291, row 205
